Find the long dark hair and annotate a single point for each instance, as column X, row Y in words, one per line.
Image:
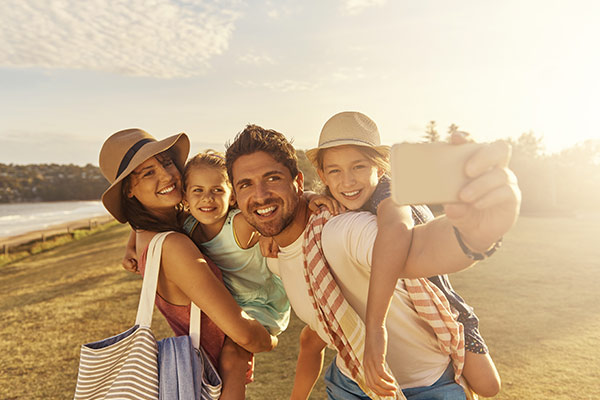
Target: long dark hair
column 137, row 215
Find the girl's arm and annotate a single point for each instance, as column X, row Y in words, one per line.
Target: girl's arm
column 188, row 277
column 316, row 201
column 130, row 258
column 309, row 365
column 389, row 251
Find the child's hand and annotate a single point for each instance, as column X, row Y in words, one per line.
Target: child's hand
column 268, row 247
column 130, row 261
column 316, row 201
column 378, row 379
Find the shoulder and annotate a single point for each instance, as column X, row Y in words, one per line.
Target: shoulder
column 351, row 228
column 351, row 221
column 179, row 244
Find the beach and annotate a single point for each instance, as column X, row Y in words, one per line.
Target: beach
column 53, row 230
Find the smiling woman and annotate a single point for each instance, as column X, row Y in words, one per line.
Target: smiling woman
column 145, row 176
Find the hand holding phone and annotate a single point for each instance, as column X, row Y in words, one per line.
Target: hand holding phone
column 429, row 173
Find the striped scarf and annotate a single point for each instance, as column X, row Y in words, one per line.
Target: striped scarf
column 345, row 329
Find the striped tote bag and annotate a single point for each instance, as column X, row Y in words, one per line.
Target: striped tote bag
column 125, row 366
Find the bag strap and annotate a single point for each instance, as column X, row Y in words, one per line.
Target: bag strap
column 148, row 293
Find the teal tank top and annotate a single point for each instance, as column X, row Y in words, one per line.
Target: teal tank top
column 254, row 287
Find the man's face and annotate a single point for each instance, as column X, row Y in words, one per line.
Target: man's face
column 266, row 192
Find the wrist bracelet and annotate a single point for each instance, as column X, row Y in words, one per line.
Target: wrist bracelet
column 471, row 254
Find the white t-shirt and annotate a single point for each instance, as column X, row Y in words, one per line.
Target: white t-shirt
column 413, row 352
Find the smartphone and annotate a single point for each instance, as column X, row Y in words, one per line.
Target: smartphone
column 429, row 173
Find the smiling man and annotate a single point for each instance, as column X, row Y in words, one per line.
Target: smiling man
column 262, row 167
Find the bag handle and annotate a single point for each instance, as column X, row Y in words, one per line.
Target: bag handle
column 148, row 293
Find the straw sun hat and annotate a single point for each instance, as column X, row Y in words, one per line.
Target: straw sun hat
column 124, row 151
column 348, row 127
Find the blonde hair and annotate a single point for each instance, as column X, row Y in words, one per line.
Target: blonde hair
column 208, row 158
column 379, row 158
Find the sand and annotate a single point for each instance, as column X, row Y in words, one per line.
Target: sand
column 41, row 234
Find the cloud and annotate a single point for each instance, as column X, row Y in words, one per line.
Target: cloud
column 25, row 147
column 156, row 38
column 256, row 59
column 280, row 9
column 355, row 7
column 286, row 85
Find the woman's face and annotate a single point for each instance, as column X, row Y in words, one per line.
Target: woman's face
column 349, row 175
column 156, row 184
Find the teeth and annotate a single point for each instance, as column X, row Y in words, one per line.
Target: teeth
column 206, row 209
column 350, row 194
column 264, row 211
column 167, row 190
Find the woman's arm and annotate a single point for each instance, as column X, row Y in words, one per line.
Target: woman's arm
column 188, row 276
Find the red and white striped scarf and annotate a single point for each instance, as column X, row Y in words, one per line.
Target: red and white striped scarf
column 344, row 327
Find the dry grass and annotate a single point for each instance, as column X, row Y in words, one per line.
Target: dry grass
column 537, row 300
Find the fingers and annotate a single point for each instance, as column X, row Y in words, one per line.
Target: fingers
column 485, row 183
column 380, row 381
column 460, row 137
column 130, row 264
column 493, row 155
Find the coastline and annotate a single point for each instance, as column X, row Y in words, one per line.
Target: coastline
column 53, row 230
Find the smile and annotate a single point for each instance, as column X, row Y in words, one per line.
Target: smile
column 167, row 190
column 351, row 194
column 263, row 212
column 207, row 209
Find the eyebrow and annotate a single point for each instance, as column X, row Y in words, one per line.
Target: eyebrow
column 266, row 174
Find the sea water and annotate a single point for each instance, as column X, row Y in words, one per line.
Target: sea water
column 19, row 218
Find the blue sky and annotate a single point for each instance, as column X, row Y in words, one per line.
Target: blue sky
column 73, row 72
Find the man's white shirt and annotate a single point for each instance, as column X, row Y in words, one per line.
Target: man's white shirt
column 413, row 352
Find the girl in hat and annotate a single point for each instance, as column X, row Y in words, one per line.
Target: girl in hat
column 145, row 176
column 353, row 165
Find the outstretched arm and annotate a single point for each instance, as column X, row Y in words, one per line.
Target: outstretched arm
column 489, row 208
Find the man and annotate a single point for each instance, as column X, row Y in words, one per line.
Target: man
column 262, row 167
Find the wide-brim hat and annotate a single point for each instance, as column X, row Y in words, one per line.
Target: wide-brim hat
column 124, row 151
column 348, row 127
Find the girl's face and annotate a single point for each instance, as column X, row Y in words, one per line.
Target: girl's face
column 208, row 195
column 349, row 175
column 156, row 183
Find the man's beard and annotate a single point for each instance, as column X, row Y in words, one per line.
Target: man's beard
column 274, row 227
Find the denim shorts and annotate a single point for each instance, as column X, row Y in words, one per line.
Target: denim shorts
column 340, row 387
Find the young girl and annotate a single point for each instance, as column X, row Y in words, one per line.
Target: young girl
column 230, row 241
column 355, row 176
column 226, row 238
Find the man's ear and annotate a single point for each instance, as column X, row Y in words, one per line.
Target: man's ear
column 299, row 182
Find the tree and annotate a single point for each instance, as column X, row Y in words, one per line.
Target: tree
column 451, row 129
column 431, row 133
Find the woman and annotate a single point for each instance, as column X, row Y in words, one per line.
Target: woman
column 145, row 176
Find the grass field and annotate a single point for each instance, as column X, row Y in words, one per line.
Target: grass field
column 537, row 299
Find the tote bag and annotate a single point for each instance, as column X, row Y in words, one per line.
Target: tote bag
column 126, row 366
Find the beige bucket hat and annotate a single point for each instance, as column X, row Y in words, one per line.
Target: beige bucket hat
column 124, row 151
column 348, row 127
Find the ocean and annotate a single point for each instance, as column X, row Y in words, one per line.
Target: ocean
column 19, row 218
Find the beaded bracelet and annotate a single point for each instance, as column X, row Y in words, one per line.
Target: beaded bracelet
column 471, row 254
